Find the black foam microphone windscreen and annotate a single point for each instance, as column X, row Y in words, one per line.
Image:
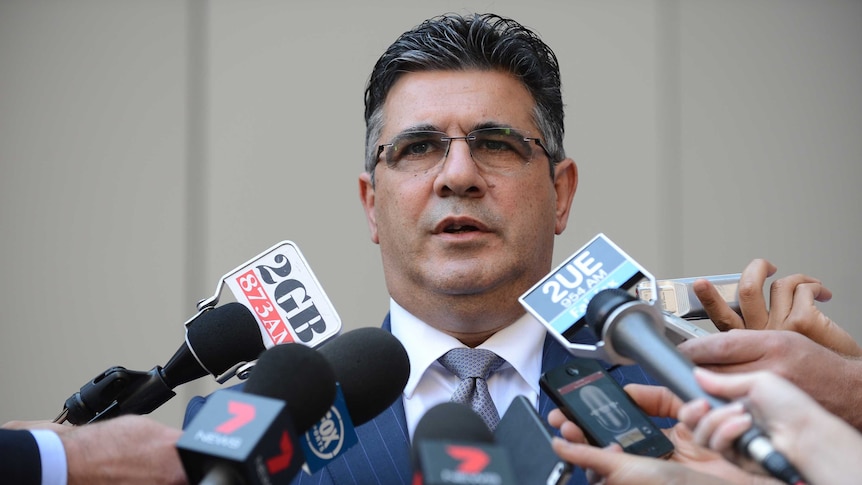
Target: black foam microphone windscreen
column 453, row 445
column 298, row 375
column 372, row 367
column 451, row 421
column 220, row 338
column 216, row 340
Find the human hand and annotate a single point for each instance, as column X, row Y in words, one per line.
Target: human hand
column 660, row 402
column 612, row 466
column 690, row 461
column 128, row 449
column 783, row 405
column 834, row 381
column 791, row 307
column 795, row 423
column 60, row 429
column 655, row 401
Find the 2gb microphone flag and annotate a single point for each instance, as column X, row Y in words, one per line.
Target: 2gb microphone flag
column 284, row 295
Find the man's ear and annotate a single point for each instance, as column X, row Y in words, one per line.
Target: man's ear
column 366, row 196
column 565, row 185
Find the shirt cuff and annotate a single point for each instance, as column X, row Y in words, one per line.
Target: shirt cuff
column 53, row 455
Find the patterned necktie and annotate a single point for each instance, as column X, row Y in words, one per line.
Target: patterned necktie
column 473, row 366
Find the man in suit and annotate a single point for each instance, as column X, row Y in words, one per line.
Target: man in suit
column 466, row 184
column 126, row 449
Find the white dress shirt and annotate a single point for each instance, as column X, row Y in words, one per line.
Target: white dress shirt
column 431, row 384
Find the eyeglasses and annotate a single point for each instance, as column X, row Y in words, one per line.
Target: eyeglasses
column 496, row 149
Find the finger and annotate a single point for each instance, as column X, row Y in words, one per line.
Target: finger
column 805, row 295
column 739, row 351
column 716, row 308
column 568, row 429
column 17, row 424
column 727, row 386
column 726, row 432
column 819, row 292
column 602, row 461
column 556, row 418
column 725, row 348
column 752, row 303
column 804, row 316
column 705, row 428
column 656, row 401
column 808, row 320
column 573, row 433
column 692, row 412
column 782, row 296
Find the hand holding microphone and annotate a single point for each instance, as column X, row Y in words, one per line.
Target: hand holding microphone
column 795, row 421
column 218, row 339
column 279, row 300
column 628, row 328
column 590, row 289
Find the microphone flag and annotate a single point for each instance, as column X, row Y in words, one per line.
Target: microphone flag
column 246, row 431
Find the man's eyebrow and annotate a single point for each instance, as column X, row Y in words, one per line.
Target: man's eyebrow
column 422, row 127
column 430, row 127
column 491, row 124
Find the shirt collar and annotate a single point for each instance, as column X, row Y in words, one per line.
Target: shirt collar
column 424, row 344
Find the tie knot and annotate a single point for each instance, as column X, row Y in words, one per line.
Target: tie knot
column 471, row 363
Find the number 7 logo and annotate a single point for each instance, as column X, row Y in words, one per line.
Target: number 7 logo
column 242, row 414
column 472, row 460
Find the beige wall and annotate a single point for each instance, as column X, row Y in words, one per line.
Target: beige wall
column 146, row 148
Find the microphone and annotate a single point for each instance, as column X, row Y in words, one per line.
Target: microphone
column 251, row 437
column 372, row 368
column 629, row 329
column 217, row 339
column 452, row 445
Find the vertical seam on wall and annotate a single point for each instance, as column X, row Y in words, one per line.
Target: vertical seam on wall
column 196, row 216
column 671, row 237
column 195, row 229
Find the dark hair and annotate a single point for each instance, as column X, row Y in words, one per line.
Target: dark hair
column 478, row 41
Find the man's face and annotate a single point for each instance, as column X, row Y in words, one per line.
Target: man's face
column 456, row 228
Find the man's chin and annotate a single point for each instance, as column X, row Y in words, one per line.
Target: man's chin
column 467, row 279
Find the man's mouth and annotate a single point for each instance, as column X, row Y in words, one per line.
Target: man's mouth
column 458, row 228
column 459, row 225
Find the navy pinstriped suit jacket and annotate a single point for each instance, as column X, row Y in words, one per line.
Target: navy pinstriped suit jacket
column 382, row 455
